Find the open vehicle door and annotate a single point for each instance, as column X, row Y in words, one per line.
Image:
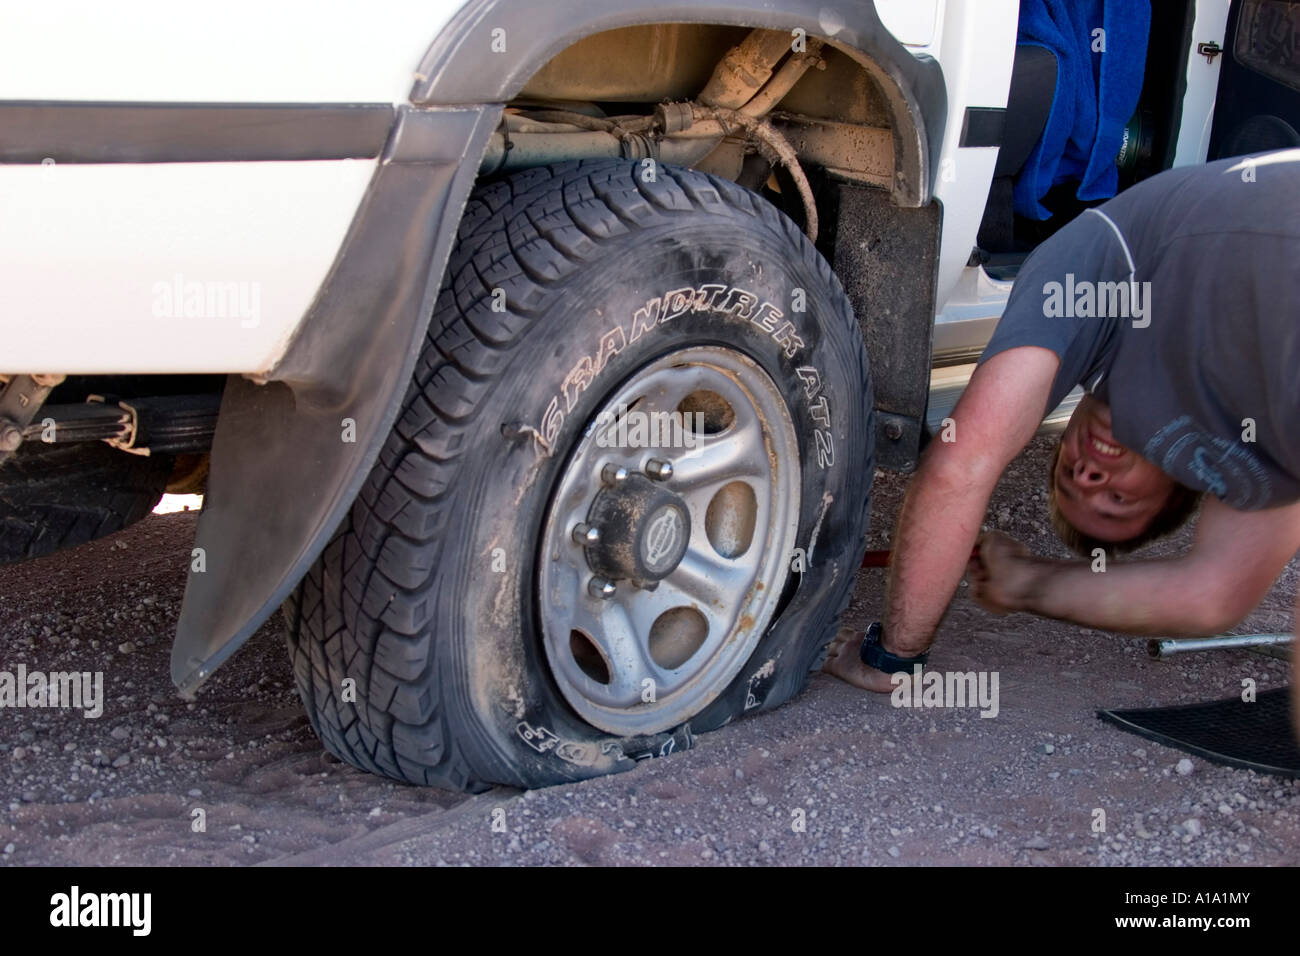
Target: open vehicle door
column 1258, row 105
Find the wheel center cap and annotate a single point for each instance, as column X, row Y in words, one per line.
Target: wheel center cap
column 644, row 531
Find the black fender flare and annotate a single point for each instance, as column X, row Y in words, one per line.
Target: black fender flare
column 452, row 71
column 282, row 474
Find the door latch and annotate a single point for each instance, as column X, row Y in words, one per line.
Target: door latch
column 1209, row 51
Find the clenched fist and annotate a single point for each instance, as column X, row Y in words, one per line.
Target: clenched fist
column 1003, row 575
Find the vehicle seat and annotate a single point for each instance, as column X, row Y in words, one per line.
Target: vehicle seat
column 1029, row 104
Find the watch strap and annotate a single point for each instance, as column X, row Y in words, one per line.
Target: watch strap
column 873, row 655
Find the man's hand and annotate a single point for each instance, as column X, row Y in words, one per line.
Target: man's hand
column 1004, row 575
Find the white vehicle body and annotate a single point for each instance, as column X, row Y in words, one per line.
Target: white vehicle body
column 85, row 247
column 86, row 250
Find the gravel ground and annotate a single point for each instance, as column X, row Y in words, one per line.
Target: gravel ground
column 835, row 777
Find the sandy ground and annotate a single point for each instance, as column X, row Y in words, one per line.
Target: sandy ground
column 835, row 777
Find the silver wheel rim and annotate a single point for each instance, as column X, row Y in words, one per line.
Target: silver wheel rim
column 636, row 656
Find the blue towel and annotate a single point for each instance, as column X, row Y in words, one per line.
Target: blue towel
column 1096, row 94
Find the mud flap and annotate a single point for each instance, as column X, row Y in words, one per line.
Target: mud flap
column 887, row 257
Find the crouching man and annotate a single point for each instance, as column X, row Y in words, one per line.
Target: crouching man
column 1176, row 305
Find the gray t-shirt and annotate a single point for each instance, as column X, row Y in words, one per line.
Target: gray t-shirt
column 1178, row 304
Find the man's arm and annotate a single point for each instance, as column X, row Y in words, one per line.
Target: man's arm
column 995, row 418
column 1235, row 560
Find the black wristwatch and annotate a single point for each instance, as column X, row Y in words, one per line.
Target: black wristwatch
column 873, row 655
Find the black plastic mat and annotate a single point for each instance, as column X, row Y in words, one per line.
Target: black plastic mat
column 1256, row 736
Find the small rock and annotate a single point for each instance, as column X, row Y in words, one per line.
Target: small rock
column 895, row 852
column 1037, row 843
column 1193, row 826
column 9, row 849
column 126, row 647
column 195, row 792
column 120, row 732
column 758, row 800
column 19, row 753
column 1184, row 767
column 1046, row 749
column 121, row 761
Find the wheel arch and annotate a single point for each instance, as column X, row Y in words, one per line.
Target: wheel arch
column 451, row 72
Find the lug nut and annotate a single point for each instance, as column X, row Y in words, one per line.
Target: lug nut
column 658, row 469
column 601, row 588
column 613, row 474
column 584, row 534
